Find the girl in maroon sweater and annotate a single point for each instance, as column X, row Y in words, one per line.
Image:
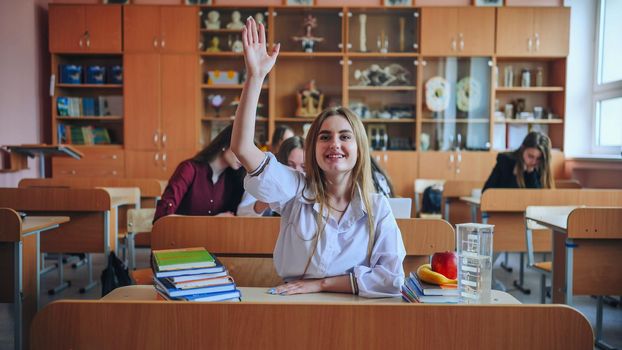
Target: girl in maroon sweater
column 210, row 183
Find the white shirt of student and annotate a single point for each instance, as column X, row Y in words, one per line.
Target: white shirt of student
column 247, row 206
column 343, row 245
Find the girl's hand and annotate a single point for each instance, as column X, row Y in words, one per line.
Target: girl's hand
column 258, row 61
column 298, row 287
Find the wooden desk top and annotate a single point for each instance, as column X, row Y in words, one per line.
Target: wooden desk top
column 39, row 223
column 471, row 200
column 123, row 195
column 54, row 150
column 259, row 295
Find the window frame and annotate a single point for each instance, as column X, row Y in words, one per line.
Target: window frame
column 601, row 92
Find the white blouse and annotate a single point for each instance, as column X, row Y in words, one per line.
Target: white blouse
column 342, row 248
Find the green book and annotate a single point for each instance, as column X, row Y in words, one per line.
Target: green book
column 180, row 259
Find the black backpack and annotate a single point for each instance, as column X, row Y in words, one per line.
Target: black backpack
column 431, row 201
column 114, row 275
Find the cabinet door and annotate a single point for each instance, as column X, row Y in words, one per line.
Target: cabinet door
column 144, row 164
column 67, row 26
column 474, row 166
column 179, row 29
column 551, row 31
column 180, row 109
column 171, row 159
column 476, row 31
column 141, row 31
column 142, row 101
column 401, row 167
column 514, row 31
column 439, row 31
column 103, row 24
column 437, row 165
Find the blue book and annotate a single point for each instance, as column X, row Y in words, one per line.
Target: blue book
column 222, row 296
column 413, row 292
column 95, row 74
column 70, row 74
column 62, row 106
column 166, row 286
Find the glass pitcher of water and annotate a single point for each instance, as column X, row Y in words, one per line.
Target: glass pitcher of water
column 474, row 244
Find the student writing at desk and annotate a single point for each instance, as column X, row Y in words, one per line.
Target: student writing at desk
column 292, row 154
column 527, row 167
column 210, row 183
column 336, row 233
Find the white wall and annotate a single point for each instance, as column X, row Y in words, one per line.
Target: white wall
column 22, row 68
column 580, row 77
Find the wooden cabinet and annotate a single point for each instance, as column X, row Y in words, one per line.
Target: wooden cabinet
column 541, row 32
column 155, row 164
column 160, row 29
column 97, row 162
column 161, row 107
column 401, row 167
column 85, row 28
column 456, row 165
column 449, row 31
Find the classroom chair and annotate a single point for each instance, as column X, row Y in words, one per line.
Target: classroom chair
column 138, row 221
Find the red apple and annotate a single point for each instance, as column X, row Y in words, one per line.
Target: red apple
column 446, row 264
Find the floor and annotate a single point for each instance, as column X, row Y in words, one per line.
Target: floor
column 612, row 319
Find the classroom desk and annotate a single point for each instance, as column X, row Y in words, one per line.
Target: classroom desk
column 43, row 150
column 259, row 295
column 19, row 266
column 452, row 191
column 474, row 204
column 133, row 324
column 587, row 246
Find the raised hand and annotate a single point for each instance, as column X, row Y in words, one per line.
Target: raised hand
column 258, row 61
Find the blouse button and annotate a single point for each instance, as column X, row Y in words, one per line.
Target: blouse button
column 211, row 201
column 209, row 211
column 170, row 204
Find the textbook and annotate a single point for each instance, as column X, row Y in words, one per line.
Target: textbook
column 184, row 278
column 217, row 268
column 432, row 289
column 412, row 294
column 171, row 291
column 233, row 295
column 204, row 282
column 185, row 258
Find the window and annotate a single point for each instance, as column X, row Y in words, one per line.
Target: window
column 607, row 133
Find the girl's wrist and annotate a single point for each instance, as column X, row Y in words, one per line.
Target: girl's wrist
column 255, row 79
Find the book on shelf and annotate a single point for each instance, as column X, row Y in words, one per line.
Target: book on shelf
column 167, row 287
column 412, row 294
column 233, row 295
column 180, row 259
column 433, row 289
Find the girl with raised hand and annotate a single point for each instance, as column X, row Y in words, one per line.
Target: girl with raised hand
column 336, row 234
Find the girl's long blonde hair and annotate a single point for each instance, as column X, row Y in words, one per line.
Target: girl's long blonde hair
column 361, row 177
column 541, row 142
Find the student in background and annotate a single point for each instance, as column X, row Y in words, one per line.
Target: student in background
column 291, row 154
column 337, row 234
column 527, row 167
column 381, row 180
column 281, row 133
column 210, row 183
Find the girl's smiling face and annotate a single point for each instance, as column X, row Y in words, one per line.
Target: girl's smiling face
column 336, row 149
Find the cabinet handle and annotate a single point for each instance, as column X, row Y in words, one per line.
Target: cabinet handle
column 458, row 161
column 451, row 161
column 114, row 156
column 529, row 44
column 200, row 45
column 385, row 158
column 155, row 138
column 537, row 41
column 424, row 63
column 72, row 172
column 461, row 45
column 156, row 158
column 340, row 45
column 453, row 44
column 163, row 139
column 164, row 158
column 415, row 46
column 87, row 38
column 162, row 43
column 155, row 42
column 114, row 172
column 80, row 43
column 416, row 14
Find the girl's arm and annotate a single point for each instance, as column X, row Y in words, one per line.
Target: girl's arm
column 258, row 65
column 336, row 284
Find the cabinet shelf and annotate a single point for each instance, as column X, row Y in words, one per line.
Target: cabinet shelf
column 226, row 87
column 103, row 119
column 221, row 31
column 295, row 119
column 222, row 54
column 395, row 121
column 465, row 120
column 529, row 121
column 90, row 86
column 225, row 119
column 382, row 88
column 380, row 54
column 311, row 54
column 531, row 89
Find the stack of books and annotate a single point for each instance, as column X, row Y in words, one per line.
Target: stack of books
column 416, row 291
column 192, row 274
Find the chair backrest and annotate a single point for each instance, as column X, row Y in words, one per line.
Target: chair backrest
column 140, row 220
column 85, row 324
column 401, row 207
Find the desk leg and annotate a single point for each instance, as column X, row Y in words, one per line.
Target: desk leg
column 569, row 262
column 41, row 166
column 17, row 294
column 446, row 214
column 91, row 283
column 474, row 214
column 62, row 284
column 521, row 276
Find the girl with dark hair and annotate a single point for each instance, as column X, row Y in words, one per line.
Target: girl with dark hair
column 281, row 133
column 210, row 183
column 291, row 154
column 336, row 233
column 527, row 167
